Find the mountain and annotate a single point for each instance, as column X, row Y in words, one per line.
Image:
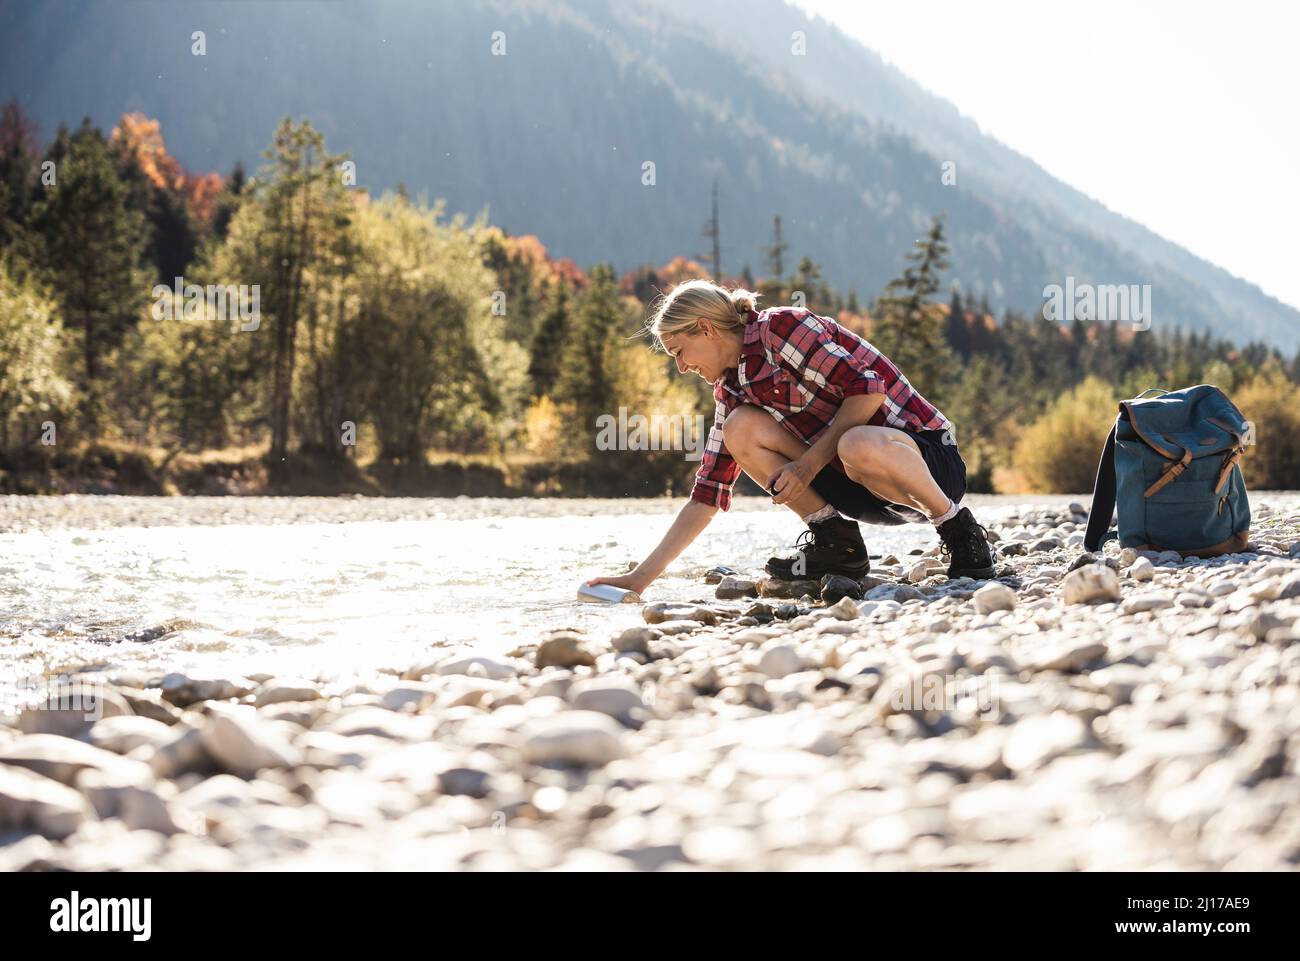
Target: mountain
column 551, row 135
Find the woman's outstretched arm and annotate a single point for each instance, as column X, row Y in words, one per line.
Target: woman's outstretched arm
column 691, row 520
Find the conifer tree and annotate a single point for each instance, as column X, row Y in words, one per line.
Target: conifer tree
column 91, row 244
column 908, row 329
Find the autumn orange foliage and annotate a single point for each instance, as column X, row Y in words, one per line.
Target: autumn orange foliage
column 142, row 137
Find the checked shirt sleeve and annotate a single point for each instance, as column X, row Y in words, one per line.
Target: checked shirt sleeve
column 805, row 346
column 718, row 469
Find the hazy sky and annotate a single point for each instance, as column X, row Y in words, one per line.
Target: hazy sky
column 1183, row 116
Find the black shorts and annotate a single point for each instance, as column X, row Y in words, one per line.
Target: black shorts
column 853, row 500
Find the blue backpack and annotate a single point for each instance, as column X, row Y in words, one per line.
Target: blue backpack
column 1171, row 466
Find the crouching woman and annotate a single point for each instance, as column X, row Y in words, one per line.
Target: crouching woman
column 824, row 422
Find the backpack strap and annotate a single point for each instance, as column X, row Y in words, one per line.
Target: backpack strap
column 1170, row 474
column 1103, row 498
column 1229, row 462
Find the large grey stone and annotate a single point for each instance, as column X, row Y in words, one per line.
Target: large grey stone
column 281, row 690
column 184, row 691
column 62, row 759
column 582, row 738
column 241, row 742
column 477, row 665
column 620, row 698
column 124, row 734
column 29, row 800
column 72, row 708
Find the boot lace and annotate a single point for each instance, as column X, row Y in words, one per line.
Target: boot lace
column 808, row 541
column 966, row 540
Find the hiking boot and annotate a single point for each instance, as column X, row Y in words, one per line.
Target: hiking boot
column 967, row 545
column 832, row 546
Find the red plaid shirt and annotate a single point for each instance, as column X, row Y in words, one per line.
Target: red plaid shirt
column 799, row 367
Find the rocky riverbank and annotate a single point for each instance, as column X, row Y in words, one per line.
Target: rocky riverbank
column 1118, row 712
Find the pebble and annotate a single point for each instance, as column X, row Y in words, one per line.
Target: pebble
column 62, row 758
column 779, row 660
column 834, row 587
column 476, row 665
column 1147, row 602
column 1037, row 739
column 664, row 611
column 240, row 742
column 581, row 738
column 563, row 650
column 71, row 710
column 125, row 733
column 994, row 596
column 1068, row 656
column 775, row 587
column 281, row 690
column 620, row 698
column 138, row 807
column 1141, row 569
column 732, row 587
column 28, row 800
column 185, row 691
column 634, row 640
column 844, row 609
column 1095, row 582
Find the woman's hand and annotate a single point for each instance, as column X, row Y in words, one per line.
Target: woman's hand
column 790, row 481
column 629, row 582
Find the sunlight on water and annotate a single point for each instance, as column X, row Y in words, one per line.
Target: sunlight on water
column 343, row 600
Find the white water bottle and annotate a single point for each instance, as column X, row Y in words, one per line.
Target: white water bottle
column 607, row 594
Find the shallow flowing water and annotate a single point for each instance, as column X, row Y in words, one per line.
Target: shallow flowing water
column 339, row 588
column 341, row 599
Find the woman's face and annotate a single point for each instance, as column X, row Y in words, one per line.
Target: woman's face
column 700, row 351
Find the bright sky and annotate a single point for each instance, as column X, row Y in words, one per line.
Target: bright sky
column 1183, row 115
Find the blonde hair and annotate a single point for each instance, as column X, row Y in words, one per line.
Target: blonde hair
column 694, row 300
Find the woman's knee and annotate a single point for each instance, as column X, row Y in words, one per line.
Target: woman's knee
column 743, row 427
column 863, row 450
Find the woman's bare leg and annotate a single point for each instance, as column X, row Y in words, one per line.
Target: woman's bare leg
column 889, row 464
column 760, row 446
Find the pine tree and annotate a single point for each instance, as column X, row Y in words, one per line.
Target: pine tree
column 19, row 154
column 808, row 280
column 596, row 325
column 91, row 249
column 713, row 234
column 957, row 333
column 232, row 195
column 776, row 251
column 548, row 342
column 908, row 329
column 773, row 288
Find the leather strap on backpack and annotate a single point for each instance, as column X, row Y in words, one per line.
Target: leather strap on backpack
column 1229, row 462
column 1170, row 474
column 1103, row 497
